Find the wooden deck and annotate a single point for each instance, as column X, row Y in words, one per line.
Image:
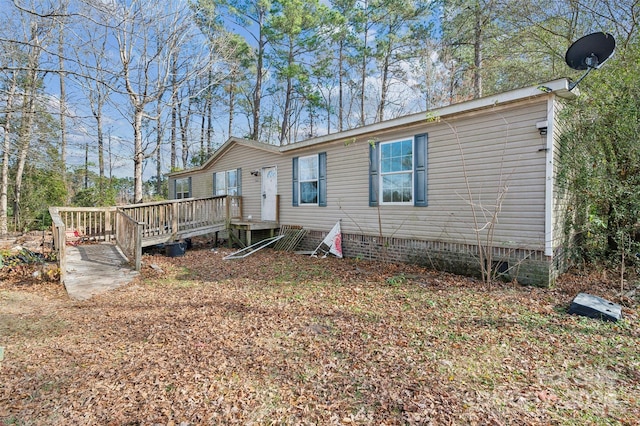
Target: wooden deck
column 248, row 227
column 133, row 227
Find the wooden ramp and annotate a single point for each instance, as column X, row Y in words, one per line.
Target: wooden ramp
column 93, row 269
column 133, row 227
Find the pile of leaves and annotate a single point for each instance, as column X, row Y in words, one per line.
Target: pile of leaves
column 26, row 266
column 279, row 338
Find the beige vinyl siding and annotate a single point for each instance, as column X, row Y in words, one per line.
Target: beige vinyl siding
column 237, row 156
column 201, row 186
column 500, row 144
column 248, row 159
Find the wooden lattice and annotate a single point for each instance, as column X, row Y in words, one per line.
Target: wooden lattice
column 293, row 234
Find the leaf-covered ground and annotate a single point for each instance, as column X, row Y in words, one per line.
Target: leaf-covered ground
column 279, row 338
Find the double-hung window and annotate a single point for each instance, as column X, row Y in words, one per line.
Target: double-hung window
column 220, row 183
column 310, row 180
column 182, row 188
column 398, row 172
column 227, row 182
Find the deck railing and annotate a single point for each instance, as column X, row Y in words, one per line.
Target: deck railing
column 94, row 223
column 173, row 219
column 129, row 237
column 139, row 225
column 59, row 231
column 234, row 207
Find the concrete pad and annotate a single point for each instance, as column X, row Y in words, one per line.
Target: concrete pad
column 95, row 268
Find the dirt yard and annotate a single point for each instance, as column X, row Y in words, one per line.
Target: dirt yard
column 279, row 338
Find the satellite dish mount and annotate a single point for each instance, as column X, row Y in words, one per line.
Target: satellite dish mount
column 589, row 53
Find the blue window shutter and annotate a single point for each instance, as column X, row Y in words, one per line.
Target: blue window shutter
column 239, row 181
column 420, row 171
column 190, row 191
column 322, row 179
column 374, row 160
column 214, row 184
column 295, row 182
column 175, row 188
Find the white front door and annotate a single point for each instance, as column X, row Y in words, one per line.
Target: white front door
column 269, row 192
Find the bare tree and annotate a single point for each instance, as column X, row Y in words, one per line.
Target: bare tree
column 6, row 148
column 63, row 90
column 148, row 36
column 95, row 81
column 31, row 81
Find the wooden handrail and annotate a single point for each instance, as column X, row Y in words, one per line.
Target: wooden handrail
column 138, row 225
column 59, row 240
column 129, row 238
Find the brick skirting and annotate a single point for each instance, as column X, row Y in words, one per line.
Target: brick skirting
column 528, row 267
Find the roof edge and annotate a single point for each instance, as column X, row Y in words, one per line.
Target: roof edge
column 559, row 87
column 223, row 148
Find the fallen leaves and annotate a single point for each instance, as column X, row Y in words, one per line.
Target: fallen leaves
column 277, row 338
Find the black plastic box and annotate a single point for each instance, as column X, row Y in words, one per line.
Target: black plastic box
column 595, row 307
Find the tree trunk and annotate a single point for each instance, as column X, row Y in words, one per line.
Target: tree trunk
column 340, row 84
column 384, row 84
column 24, row 142
column 138, row 155
column 86, row 166
column 159, row 135
column 257, row 90
column 63, row 100
column 100, row 151
column 209, row 125
column 184, row 124
column 159, row 171
column 477, row 52
column 4, row 173
column 174, row 119
column 27, row 119
column 202, row 126
column 284, row 131
column 232, row 99
column 363, row 78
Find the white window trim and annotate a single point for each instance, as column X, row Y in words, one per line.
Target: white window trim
column 218, row 181
column 316, row 158
column 225, row 179
column 382, row 174
column 182, row 182
column 227, row 187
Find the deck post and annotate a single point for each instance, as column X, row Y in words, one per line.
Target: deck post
column 107, row 225
column 174, row 218
column 138, row 249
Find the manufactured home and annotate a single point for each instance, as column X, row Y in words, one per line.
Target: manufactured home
column 433, row 188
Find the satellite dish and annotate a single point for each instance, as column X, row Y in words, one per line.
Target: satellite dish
column 589, row 53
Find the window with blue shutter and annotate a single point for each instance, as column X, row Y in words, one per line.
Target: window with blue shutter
column 228, row 182
column 373, row 174
column 420, row 171
column 398, row 172
column 295, row 182
column 239, row 180
column 322, row 179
